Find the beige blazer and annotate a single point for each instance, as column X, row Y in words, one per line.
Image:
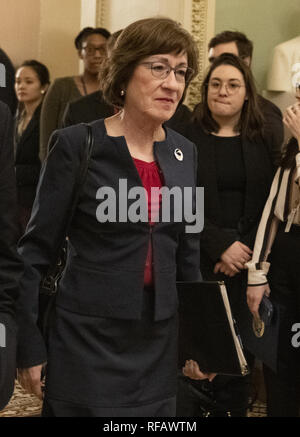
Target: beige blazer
column 285, row 67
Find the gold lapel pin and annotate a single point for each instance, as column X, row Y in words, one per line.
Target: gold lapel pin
column 178, row 154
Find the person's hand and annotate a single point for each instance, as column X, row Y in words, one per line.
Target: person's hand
column 191, row 369
column 224, row 268
column 291, row 119
column 254, row 297
column 30, row 380
column 235, row 257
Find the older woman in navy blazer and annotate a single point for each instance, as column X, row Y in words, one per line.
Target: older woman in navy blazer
column 113, row 344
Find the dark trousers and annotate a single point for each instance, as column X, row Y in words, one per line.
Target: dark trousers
column 283, row 387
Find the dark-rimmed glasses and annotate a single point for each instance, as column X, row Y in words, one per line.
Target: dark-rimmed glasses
column 91, row 50
column 161, row 70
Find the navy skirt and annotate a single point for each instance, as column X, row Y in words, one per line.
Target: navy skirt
column 107, row 367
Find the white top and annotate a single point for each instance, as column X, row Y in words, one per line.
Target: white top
column 285, row 67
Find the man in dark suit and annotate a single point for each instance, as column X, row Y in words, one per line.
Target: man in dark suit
column 10, row 264
column 7, row 91
column 238, row 44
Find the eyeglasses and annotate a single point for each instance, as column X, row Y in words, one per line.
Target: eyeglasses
column 231, row 87
column 91, row 50
column 160, row 70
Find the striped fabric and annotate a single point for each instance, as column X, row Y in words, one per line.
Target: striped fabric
column 283, row 205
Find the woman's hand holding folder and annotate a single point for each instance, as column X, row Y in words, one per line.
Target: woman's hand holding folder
column 191, row 369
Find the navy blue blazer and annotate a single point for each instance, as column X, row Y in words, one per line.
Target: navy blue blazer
column 104, row 275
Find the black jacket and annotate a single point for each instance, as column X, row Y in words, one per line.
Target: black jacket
column 259, row 173
column 104, row 275
column 86, row 109
column 273, row 126
column 11, row 267
column 27, row 162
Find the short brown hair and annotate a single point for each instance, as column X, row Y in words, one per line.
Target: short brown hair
column 251, row 121
column 244, row 45
column 139, row 40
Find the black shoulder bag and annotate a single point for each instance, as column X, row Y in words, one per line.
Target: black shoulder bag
column 49, row 284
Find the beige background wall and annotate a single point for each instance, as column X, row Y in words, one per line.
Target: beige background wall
column 43, row 30
column 120, row 13
column 19, row 28
column 60, row 23
column 266, row 22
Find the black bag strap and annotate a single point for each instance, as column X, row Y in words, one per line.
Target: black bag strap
column 49, row 282
column 87, row 152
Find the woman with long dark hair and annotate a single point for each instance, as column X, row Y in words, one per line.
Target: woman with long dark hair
column 32, row 81
column 235, row 169
column 274, row 270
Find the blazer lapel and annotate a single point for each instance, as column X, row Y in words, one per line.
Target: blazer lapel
column 163, row 154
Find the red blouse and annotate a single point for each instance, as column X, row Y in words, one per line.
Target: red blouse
column 151, row 176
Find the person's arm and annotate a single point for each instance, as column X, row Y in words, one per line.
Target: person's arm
column 11, row 266
column 224, row 249
column 40, row 245
column 215, row 241
column 258, row 267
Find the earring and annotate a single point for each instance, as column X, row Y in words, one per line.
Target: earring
column 42, row 91
column 122, row 93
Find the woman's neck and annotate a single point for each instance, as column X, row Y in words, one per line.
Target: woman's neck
column 227, row 126
column 30, row 107
column 90, row 82
column 140, row 134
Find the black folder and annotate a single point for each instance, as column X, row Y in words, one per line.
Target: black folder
column 207, row 330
